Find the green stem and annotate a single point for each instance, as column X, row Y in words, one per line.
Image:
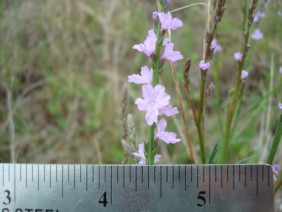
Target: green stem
column 238, row 88
column 276, row 141
column 200, row 121
column 151, row 156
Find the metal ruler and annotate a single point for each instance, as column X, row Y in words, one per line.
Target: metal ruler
column 82, row 187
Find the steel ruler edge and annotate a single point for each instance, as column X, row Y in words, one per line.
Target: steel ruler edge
column 90, row 187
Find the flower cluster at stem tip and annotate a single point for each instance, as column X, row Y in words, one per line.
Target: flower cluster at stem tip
column 155, row 101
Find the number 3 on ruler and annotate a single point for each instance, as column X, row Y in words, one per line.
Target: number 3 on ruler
column 8, row 193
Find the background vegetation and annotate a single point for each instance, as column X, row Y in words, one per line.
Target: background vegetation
column 63, row 64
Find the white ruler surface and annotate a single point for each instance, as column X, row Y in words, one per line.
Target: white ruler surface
column 87, row 187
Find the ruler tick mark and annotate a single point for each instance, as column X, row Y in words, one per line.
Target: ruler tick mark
column 221, row 177
column 262, row 175
column 215, row 173
column 50, row 176
column 86, row 178
column 105, row 174
column 8, row 172
column 20, row 172
column 26, row 175
column 233, row 175
column 268, row 176
column 197, row 176
column 148, row 177
column 117, row 174
column 227, row 176
column 142, row 176
column 135, row 178
column 154, row 174
column 68, row 173
column 32, row 172
column 179, row 174
column 166, row 173
column 203, row 173
column 15, row 182
column 123, row 173
column 269, row 172
column 239, row 173
column 74, row 176
column 129, row 170
column 80, row 173
column 251, row 173
column 38, row 177
column 56, row 173
column 257, row 182
column 173, row 177
column 2, row 175
column 44, row 167
column 185, row 178
column 99, row 172
column 161, row 184
column 62, row 181
column 111, row 184
column 245, row 176
column 92, row 173
column 209, row 184
column 191, row 170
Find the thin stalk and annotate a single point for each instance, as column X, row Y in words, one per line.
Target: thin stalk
column 276, row 141
column 217, row 94
column 239, row 86
column 156, row 71
column 179, row 97
column 151, row 155
column 11, row 126
column 210, row 33
column 277, row 186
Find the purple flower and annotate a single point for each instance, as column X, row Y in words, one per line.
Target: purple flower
column 257, row 35
column 280, row 69
column 168, row 22
column 280, row 106
column 144, row 78
column 141, row 155
column 167, row 1
column 276, row 169
column 215, row 46
column 258, row 16
column 171, row 55
column 238, row 56
column 244, row 74
column 167, row 137
column 204, row 65
column 169, row 111
column 155, row 100
column 155, row 16
column 149, row 45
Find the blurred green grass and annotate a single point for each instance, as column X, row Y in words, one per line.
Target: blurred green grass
column 65, row 63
